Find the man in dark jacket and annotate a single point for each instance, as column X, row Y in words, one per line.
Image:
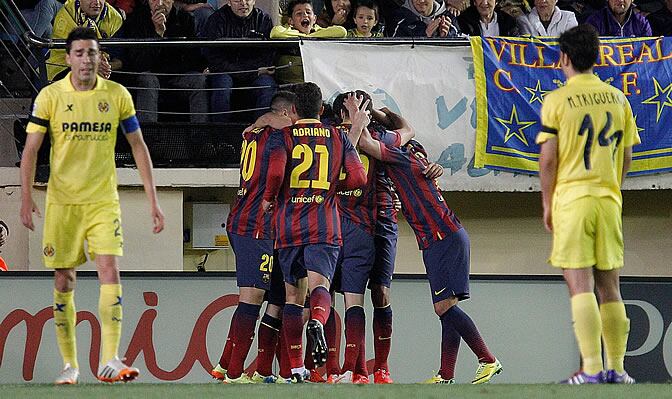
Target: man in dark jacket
column 483, row 18
column 156, row 19
column 240, row 19
column 619, row 18
column 423, row 18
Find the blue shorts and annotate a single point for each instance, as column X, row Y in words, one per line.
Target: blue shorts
column 319, row 258
column 276, row 295
column 355, row 260
column 254, row 261
column 447, row 266
column 385, row 242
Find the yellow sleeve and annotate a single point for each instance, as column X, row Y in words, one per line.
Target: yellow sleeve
column 126, row 107
column 41, row 115
column 285, row 32
column 630, row 134
column 549, row 120
column 114, row 22
column 334, row 32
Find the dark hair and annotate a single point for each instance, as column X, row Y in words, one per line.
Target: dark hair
column 283, row 98
column 330, row 10
column 294, row 3
column 339, row 101
column 79, row 33
column 308, row 100
column 582, row 46
column 368, row 4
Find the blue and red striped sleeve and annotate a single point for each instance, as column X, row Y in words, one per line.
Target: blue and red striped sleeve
column 355, row 175
column 276, row 165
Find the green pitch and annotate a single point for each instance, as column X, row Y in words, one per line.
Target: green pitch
column 400, row 391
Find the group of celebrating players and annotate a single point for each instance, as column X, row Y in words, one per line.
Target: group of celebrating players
column 320, row 199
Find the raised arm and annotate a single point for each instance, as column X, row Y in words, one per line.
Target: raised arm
column 394, row 121
column 144, row 163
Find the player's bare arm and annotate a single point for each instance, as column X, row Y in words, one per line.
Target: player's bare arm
column 627, row 161
column 271, row 119
column 396, row 122
column 548, row 169
column 359, row 116
column 144, row 162
column 28, row 161
column 370, row 145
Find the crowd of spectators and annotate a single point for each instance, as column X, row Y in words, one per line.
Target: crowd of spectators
column 254, row 73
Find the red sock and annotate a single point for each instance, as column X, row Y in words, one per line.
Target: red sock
column 243, row 335
column 267, row 338
column 330, row 333
column 382, row 336
column 463, row 324
column 355, row 323
column 283, row 356
column 360, row 367
column 228, row 346
column 450, row 345
column 308, row 357
column 320, row 304
column 292, row 323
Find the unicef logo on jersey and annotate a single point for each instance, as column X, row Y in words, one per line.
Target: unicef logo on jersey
column 380, row 97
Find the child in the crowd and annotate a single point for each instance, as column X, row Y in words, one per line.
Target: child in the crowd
column 301, row 24
column 366, row 20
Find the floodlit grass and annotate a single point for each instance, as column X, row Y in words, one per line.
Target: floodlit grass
column 401, row 391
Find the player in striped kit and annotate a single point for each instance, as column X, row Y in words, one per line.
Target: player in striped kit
column 303, row 178
column 445, row 250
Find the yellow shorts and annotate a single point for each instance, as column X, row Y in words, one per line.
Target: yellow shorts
column 67, row 227
column 587, row 232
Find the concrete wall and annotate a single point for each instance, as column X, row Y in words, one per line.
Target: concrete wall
column 507, row 236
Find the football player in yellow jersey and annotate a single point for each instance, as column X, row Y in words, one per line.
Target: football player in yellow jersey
column 586, row 138
column 81, row 114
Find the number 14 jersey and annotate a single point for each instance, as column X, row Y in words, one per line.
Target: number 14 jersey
column 593, row 123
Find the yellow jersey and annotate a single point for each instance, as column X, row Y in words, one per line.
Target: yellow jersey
column 593, row 123
column 82, row 126
column 71, row 16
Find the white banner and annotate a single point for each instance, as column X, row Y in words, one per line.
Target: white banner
column 433, row 88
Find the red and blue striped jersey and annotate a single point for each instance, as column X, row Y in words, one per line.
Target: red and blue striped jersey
column 385, row 193
column 421, row 200
column 360, row 205
column 303, row 175
column 246, row 217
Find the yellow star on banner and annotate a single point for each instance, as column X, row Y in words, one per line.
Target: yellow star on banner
column 660, row 105
column 514, row 127
column 537, row 92
column 639, row 129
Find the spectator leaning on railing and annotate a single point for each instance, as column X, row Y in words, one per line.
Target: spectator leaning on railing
column 156, row 19
column 423, row 18
column 546, row 19
column 619, row 18
column 301, row 24
column 94, row 14
column 484, row 18
column 240, row 19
